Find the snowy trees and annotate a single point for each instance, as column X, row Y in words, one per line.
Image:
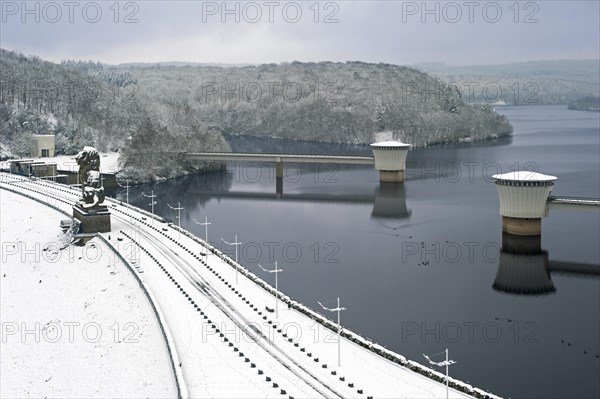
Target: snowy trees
column 333, row 102
column 590, row 103
column 83, row 104
column 149, row 109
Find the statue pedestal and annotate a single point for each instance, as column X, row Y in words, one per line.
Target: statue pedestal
column 93, row 220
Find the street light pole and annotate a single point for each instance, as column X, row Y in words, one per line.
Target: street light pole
column 276, row 271
column 178, row 209
column 338, row 309
column 205, row 224
column 236, row 243
column 152, row 202
column 446, row 363
column 126, row 186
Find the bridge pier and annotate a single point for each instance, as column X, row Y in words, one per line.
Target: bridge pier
column 389, row 176
column 523, row 196
column 278, row 187
column 278, row 168
column 390, row 160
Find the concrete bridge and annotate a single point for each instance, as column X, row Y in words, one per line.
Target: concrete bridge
column 592, row 204
column 389, row 158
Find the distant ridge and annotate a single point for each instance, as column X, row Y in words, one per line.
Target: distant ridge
column 177, row 64
column 525, row 83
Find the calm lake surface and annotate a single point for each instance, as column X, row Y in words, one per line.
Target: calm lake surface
column 423, row 267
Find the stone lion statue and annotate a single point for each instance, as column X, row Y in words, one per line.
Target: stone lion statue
column 92, row 191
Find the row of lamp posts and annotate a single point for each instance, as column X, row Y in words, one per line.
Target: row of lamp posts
column 236, row 243
column 338, row 309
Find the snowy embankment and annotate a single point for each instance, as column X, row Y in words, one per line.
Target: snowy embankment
column 74, row 322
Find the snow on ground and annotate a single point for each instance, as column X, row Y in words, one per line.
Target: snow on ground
column 211, row 367
column 109, row 162
column 75, row 322
column 388, row 135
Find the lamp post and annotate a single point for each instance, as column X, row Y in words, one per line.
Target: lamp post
column 205, row 224
column 178, row 209
column 126, row 186
column 236, row 243
column 446, row 363
column 276, row 271
column 338, row 309
column 152, row 202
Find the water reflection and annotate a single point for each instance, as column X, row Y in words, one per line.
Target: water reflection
column 194, row 192
column 524, row 267
column 390, row 202
column 182, row 190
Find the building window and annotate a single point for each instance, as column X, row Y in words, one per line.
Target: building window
column 45, row 153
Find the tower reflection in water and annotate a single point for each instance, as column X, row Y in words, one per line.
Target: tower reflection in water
column 523, row 267
column 390, row 202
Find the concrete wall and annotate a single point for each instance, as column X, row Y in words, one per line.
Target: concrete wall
column 70, row 177
column 524, row 201
column 41, row 142
column 27, row 167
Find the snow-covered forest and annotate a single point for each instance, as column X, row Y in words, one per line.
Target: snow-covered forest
column 82, row 104
column 325, row 101
column 590, row 103
column 149, row 113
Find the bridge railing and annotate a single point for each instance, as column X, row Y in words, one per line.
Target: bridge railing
column 298, row 158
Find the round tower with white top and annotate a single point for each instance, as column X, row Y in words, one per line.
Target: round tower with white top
column 523, row 196
column 390, row 160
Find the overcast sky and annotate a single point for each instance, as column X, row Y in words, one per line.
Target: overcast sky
column 398, row 32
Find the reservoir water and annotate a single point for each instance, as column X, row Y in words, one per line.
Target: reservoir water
column 422, row 266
